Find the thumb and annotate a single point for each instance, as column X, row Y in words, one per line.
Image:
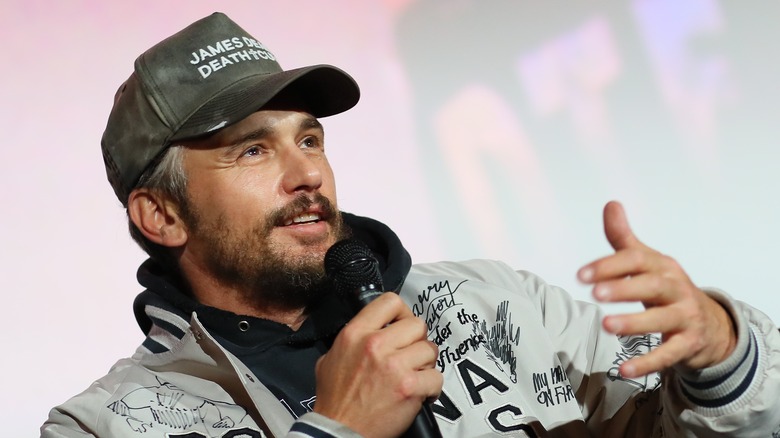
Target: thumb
column 616, row 227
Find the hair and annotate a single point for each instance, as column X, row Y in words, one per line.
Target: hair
column 165, row 176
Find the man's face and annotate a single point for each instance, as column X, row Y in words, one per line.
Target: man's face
column 261, row 209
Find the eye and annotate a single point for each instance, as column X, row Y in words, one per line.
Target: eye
column 251, row 151
column 309, row 142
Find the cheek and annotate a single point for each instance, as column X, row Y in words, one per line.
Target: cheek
column 204, row 194
column 240, row 199
column 328, row 183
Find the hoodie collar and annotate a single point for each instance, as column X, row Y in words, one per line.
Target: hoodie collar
column 166, row 290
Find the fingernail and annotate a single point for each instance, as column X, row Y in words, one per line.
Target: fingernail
column 586, row 274
column 601, row 292
column 628, row 370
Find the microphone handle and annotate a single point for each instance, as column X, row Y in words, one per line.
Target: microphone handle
column 424, row 424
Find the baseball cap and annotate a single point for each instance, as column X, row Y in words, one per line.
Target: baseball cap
column 207, row 76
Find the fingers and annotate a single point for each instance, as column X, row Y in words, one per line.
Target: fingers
column 386, row 333
column 681, row 338
column 654, row 320
column 386, row 308
column 631, row 256
column 671, row 352
column 695, row 329
column 379, row 370
column 432, row 382
column 397, row 336
column 425, row 381
column 421, row 355
column 631, row 261
column 650, row 289
column 616, row 227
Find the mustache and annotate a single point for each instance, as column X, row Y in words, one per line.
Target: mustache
column 299, row 205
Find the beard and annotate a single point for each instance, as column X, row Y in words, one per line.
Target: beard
column 262, row 271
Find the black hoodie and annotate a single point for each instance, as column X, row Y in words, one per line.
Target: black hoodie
column 281, row 358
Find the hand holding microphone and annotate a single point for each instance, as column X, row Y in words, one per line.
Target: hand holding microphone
column 380, row 369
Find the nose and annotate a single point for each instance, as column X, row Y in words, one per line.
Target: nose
column 301, row 171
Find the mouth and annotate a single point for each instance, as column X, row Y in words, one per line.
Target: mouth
column 304, row 214
column 304, row 218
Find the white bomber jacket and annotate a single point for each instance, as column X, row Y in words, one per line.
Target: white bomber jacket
column 519, row 358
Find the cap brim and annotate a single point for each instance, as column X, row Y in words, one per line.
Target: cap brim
column 322, row 90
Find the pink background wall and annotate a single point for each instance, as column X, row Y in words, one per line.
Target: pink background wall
column 486, row 129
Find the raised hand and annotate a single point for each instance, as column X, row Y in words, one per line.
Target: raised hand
column 697, row 332
column 376, row 376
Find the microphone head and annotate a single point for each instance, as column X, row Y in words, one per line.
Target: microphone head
column 352, row 266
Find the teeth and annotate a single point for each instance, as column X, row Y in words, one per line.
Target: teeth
column 307, row 217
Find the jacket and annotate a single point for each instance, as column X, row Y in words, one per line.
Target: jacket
column 519, row 357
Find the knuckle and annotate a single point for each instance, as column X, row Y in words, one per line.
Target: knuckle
column 692, row 316
column 350, row 333
column 420, row 328
column 393, row 300
column 657, row 282
column 373, row 345
column 637, row 257
column 439, row 383
column 407, row 386
column 671, row 264
column 430, row 355
column 390, row 298
column 664, row 359
column 434, row 348
column 696, row 344
column 675, row 283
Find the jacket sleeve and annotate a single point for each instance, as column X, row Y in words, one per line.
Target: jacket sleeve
column 313, row 424
column 736, row 398
column 62, row 425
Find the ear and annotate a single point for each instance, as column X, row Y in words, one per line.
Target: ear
column 157, row 218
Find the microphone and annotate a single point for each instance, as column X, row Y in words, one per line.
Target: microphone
column 354, row 270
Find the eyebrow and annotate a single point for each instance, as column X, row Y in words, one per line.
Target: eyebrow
column 310, row 122
column 251, row 136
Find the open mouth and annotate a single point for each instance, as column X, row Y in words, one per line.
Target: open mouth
column 304, row 218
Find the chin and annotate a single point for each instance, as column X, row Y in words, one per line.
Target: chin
column 313, row 249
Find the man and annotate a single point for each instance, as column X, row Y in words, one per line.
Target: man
column 218, row 156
